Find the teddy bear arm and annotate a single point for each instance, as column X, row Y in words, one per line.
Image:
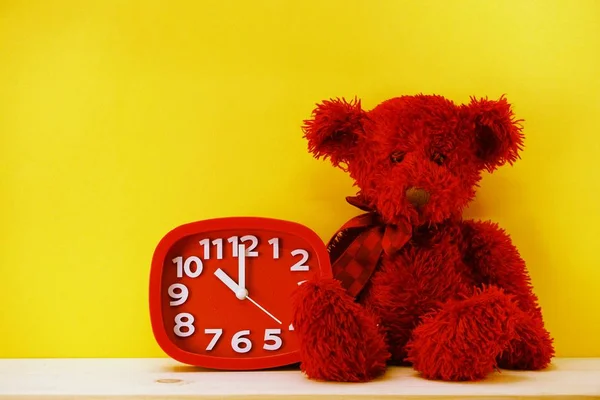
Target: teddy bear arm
column 495, row 260
column 463, row 339
column 340, row 340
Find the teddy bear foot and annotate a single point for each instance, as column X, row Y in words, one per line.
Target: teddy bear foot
column 339, row 339
column 462, row 340
column 532, row 350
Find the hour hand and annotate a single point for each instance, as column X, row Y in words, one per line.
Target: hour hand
column 230, row 283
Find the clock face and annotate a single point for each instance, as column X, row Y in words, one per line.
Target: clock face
column 220, row 290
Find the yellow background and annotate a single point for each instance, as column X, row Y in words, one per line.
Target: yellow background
column 120, row 120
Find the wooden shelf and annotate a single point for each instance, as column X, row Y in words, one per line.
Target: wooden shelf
column 166, row 379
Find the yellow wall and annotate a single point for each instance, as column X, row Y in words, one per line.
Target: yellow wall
column 122, row 119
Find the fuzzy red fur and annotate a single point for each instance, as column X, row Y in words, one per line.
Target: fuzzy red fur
column 456, row 301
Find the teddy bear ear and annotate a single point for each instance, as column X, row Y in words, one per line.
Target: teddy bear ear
column 498, row 137
column 334, row 129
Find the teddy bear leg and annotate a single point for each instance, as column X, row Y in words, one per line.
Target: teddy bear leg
column 339, row 339
column 462, row 340
column 532, row 349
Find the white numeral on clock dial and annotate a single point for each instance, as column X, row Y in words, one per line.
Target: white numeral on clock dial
column 206, row 244
column 187, row 266
column 184, row 320
column 239, row 339
column 275, row 243
column 218, row 243
column 181, row 296
column 235, row 242
column 271, row 336
column 250, row 252
column 217, row 334
column 299, row 265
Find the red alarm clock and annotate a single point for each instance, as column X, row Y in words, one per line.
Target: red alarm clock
column 220, row 290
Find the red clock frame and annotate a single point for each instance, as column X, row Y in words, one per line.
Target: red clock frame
column 319, row 260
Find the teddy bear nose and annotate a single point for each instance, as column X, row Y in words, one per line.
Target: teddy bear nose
column 417, row 197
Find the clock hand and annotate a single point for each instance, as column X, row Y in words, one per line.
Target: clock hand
column 263, row 309
column 230, row 283
column 242, row 267
column 240, row 293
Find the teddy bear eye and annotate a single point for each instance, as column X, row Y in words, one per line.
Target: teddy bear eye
column 438, row 158
column 397, row 156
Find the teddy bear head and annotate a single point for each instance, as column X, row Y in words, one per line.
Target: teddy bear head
column 415, row 158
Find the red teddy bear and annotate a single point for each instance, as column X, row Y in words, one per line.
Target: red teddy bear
column 414, row 283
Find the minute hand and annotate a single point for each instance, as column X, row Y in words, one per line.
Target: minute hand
column 263, row 310
column 241, row 293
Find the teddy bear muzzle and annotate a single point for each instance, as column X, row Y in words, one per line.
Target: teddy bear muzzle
column 417, row 197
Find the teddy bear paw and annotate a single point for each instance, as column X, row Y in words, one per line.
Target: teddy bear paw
column 339, row 340
column 463, row 340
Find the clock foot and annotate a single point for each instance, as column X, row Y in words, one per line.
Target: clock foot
column 339, row 339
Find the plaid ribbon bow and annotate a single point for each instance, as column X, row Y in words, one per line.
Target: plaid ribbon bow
column 356, row 247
